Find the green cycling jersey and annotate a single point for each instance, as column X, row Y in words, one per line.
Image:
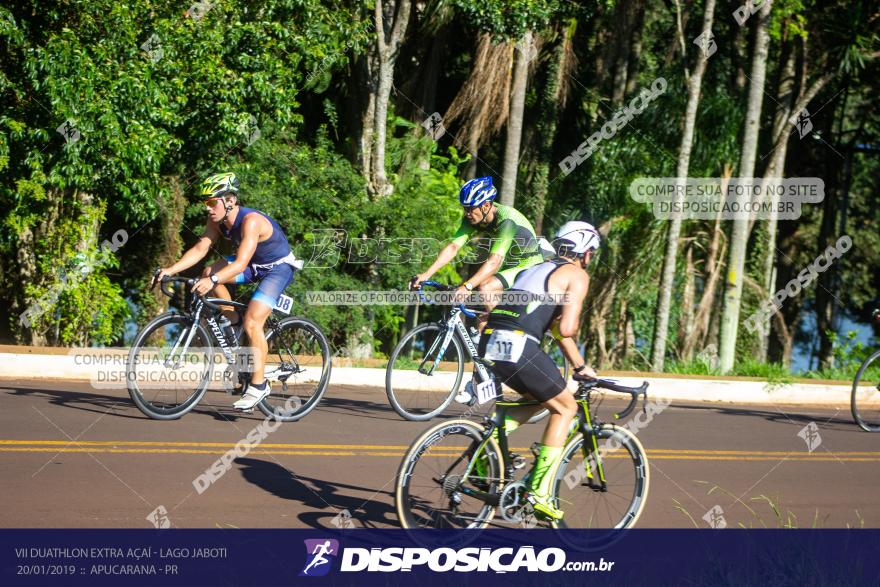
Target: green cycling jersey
column 511, row 236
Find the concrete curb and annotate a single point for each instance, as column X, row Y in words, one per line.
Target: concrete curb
column 84, row 365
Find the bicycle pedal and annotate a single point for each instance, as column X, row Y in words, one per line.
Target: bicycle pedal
column 241, row 411
column 518, row 461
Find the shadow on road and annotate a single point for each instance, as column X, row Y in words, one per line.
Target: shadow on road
column 364, row 408
column 123, row 407
column 839, row 421
column 325, row 498
column 79, row 400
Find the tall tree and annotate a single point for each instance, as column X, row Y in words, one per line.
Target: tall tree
column 667, row 275
column 739, row 233
column 553, row 98
column 515, row 120
column 392, row 18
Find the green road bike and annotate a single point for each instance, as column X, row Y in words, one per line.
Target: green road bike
column 173, row 359
column 456, row 475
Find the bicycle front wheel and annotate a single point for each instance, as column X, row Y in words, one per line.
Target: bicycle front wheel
column 580, row 493
column 865, row 401
column 423, row 376
column 169, row 366
column 428, row 491
column 298, row 365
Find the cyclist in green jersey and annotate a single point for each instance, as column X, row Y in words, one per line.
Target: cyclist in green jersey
column 513, row 245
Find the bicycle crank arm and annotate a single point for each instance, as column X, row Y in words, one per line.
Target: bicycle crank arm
column 493, row 499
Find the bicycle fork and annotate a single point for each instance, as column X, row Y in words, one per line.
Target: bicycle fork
column 592, row 456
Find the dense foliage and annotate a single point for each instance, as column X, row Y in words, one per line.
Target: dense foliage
column 150, row 97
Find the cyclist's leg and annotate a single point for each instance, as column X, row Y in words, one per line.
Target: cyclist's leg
column 505, row 373
column 272, row 285
column 540, row 376
column 220, row 290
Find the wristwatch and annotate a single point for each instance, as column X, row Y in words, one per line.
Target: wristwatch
column 468, row 286
column 581, row 368
column 214, row 279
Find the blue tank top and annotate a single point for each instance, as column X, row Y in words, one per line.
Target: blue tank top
column 270, row 250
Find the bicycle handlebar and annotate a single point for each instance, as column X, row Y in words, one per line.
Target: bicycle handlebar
column 634, row 392
column 443, row 287
column 189, row 282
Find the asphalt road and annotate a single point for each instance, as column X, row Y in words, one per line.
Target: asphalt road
column 72, row 456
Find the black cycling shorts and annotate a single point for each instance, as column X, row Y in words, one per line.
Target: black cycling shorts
column 535, row 373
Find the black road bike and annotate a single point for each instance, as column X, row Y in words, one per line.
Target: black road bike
column 172, row 360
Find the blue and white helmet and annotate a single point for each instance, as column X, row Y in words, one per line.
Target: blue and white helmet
column 476, row 192
column 578, row 237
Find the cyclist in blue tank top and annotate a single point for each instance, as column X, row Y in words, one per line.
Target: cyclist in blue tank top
column 262, row 254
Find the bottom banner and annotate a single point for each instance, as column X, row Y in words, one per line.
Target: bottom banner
column 393, row 557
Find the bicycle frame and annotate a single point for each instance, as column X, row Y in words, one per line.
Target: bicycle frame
column 454, row 324
column 585, row 425
column 196, row 312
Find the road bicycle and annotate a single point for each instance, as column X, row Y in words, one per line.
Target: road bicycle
column 865, row 400
column 172, row 360
column 601, row 481
column 427, row 366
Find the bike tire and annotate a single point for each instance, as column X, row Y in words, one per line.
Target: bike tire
column 868, row 418
column 427, row 451
column 627, row 477
column 306, row 401
column 407, row 402
column 139, row 396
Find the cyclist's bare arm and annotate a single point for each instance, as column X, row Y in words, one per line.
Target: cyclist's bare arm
column 195, row 253
column 487, row 269
column 578, row 283
column 446, row 255
column 576, row 290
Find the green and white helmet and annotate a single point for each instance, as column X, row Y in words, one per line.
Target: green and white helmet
column 219, row 185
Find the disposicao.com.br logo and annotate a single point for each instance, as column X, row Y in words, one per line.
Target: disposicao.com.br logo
column 443, row 560
column 320, row 553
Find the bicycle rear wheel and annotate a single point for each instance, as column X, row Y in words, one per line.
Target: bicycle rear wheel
column 298, row 365
column 580, row 494
column 428, row 488
column 865, row 402
column 169, row 367
column 422, row 377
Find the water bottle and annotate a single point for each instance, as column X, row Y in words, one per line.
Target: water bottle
column 228, row 330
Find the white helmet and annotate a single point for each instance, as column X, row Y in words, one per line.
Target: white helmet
column 583, row 235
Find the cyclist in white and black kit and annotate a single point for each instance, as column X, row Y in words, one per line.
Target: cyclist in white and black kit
column 511, row 340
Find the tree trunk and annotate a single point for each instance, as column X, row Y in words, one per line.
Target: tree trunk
column 686, row 322
column 667, row 279
column 515, row 121
column 392, row 19
column 776, row 168
column 635, row 48
column 553, row 100
column 739, row 235
column 703, row 321
column 364, row 68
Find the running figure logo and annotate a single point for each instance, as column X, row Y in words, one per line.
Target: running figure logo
column 317, row 553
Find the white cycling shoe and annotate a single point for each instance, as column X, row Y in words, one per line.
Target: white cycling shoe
column 252, row 396
column 466, row 395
